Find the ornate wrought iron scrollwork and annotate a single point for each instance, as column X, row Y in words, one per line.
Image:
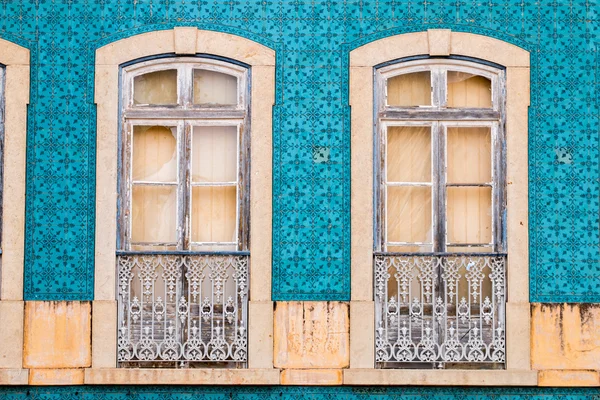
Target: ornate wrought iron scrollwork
column 440, row 309
column 177, row 310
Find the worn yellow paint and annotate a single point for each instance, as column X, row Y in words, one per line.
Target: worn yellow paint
column 311, row 335
column 565, row 336
column 57, row 334
column 568, row 378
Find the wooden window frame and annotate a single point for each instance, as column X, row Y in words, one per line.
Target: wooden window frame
column 185, row 116
column 439, row 118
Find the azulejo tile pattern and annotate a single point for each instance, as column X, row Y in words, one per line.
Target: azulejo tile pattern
column 311, row 191
column 288, row 393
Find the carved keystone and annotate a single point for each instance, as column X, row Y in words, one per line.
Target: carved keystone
column 311, row 335
column 439, row 42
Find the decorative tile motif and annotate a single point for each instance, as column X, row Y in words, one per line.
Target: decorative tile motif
column 311, row 237
column 288, row 393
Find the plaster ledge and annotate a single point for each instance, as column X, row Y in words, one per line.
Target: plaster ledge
column 194, row 376
column 14, row 376
column 416, row 377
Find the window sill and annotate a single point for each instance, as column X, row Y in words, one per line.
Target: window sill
column 417, row 377
column 196, row 376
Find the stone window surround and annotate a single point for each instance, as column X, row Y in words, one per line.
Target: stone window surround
column 439, row 42
column 16, row 60
column 183, row 41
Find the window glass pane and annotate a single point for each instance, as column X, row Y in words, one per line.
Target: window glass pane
column 408, row 214
column 408, row 154
column 154, row 214
column 408, row 90
column 469, row 152
column 214, row 88
column 469, row 214
column 155, row 88
column 154, row 153
column 214, row 152
column 214, row 213
column 468, row 90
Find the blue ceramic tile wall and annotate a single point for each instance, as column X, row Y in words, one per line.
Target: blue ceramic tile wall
column 290, row 393
column 311, row 194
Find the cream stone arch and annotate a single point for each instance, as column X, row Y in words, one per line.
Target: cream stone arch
column 183, row 41
column 16, row 60
column 439, row 42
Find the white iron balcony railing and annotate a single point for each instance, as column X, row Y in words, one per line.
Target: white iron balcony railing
column 440, row 310
column 182, row 310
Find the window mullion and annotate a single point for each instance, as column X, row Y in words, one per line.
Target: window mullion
column 439, row 186
column 126, row 186
column 184, row 84
column 438, row 87
column 381, row 187
column 183, row 186
column 498, row 195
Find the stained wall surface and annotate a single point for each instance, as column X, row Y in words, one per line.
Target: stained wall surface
column 311, row 194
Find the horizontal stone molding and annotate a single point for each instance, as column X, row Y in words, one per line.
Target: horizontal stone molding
column 318, row 377
column 197, row 376
column 569, row 378
column 14, row 376
column 56, row 377
column 415, row 377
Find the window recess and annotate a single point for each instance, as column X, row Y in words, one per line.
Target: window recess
column 440, row 215
column 183, row 231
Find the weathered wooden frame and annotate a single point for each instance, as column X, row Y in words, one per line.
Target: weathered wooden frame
column 185, row 115
column 439, row 118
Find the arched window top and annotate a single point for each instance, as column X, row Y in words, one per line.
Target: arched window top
column 440, row 83
column 185, row 83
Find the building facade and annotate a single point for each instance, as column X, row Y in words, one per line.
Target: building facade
column 265, row 198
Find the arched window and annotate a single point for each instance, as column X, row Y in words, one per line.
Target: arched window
column 440, row 208
column 184, row 213
column 183, row 299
